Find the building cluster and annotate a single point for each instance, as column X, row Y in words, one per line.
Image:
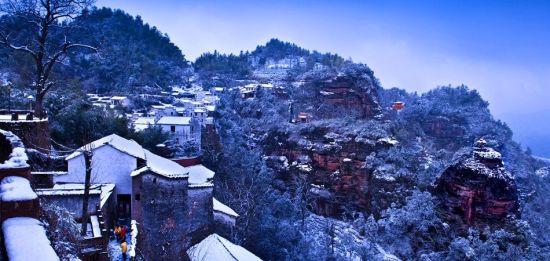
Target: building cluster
column 182, row 118
column 249, row 90
column 109, row 101
column 169, row 201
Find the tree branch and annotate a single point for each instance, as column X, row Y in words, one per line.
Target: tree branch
column 5, row 41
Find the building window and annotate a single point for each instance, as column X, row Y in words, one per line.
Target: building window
column 173, row 128
column 137, row 197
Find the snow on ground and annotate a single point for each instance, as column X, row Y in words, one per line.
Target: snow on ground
column 215, row 247
column 114, row 249
column 13, row 188
column 385, row 255
column 25, row 240
column 220, row 207
column 388, row 140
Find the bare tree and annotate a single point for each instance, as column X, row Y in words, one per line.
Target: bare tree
column 43, row 17
column 87, row 182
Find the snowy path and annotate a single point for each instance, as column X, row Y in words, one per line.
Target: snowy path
column 114, row 249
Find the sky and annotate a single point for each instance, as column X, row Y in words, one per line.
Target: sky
column 500, row 48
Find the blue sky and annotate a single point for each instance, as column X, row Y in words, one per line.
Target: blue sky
column 501, row 48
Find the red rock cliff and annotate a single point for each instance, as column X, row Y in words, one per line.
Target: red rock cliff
column 477, row 190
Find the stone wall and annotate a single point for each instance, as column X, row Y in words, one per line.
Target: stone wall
column 35, row 134
column 199, row 213
column 159, row 205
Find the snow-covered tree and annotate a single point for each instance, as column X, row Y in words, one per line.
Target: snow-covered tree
column 46, row 39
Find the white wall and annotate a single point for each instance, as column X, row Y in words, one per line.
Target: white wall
column 183, row 132
column 109, row 165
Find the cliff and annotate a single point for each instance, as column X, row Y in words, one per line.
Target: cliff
column 477, row 190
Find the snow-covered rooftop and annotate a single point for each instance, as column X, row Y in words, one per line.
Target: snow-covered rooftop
column 142, row 123
column 14, row 188
column 174, row 120
column 220, row 207
column 162, row 166
column 129, row 147
column 145, row 120
column 118, row 97
column 200, row 175
column 25, row 239
column 104, row 190
column 215, row 247
column 54, row 173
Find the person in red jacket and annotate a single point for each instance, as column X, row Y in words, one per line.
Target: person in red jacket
column 123, row 233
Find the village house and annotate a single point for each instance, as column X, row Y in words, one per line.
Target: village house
column 162, row 110
column 154, row 191
column 120, row 101
column 249, row 90
column 200, row 115
column 180, row 129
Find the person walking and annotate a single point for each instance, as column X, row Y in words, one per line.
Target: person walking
column 123, row 249
column 117, row 233
column 123, row 233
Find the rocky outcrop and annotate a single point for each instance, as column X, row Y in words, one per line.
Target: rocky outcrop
column 333, row 166
column 352, row 94
column 477, row 190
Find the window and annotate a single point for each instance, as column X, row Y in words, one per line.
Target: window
column 173, row 128
column 137, row 197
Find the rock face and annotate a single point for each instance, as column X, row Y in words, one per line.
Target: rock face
column 333, row 167
column 344, row 91
column 477, row 190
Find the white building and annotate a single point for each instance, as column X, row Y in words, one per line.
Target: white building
column 120, row 101
column 163, row 110
column 115, row 160
column 180, row 129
